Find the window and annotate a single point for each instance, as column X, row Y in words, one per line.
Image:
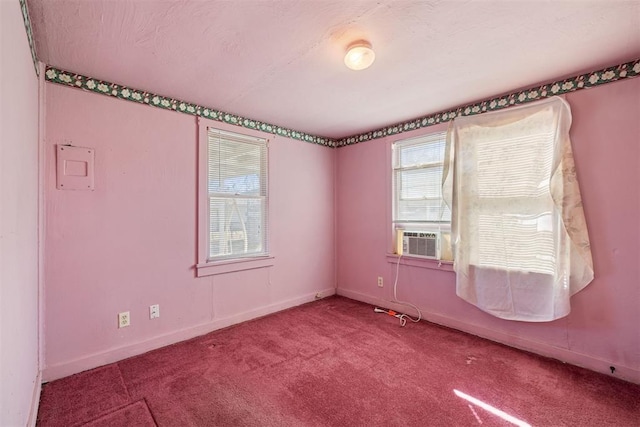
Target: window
column 417, row 188
column 233, row 196
column 515, row 211
column 522, row 246
column 417, row 176
column 510, row 220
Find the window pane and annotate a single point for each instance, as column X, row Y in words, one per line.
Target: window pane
column 417, row 178
column 420, row 183
column 237, row 190
column 517, row 242
column 428, row 150
column 236, row 226
column 236, row 167
column 524, row 163
column 428, row 210
column 515, row 210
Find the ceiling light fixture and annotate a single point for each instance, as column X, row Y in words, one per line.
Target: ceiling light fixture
column 359, row 55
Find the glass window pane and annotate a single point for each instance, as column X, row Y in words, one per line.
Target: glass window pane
column 517, row 242
column 418, row 154
column 433, row 210
column 237, row 189
column 421, row 183
column 236, row 226
column 417, row 177
column 235, row 167
column 524, row 163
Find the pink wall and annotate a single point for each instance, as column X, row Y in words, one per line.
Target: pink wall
column 132, row 242
column 602, row 329
column 19, row 382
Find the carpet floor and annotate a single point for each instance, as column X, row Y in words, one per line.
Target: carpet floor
column 335, row 362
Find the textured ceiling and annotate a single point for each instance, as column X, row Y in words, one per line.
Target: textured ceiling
column 282, row 61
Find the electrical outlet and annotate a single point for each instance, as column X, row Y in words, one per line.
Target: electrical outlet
column 154, row 311
column 380, row 282
column 124, row 319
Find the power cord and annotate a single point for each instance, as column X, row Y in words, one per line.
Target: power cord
column 402, row 316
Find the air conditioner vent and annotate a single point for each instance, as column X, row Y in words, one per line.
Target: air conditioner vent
column 422, row 244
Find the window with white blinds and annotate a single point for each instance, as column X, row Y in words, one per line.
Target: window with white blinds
column 237, row 195
column 516, row 221
column 417, row 180
column 521, row 241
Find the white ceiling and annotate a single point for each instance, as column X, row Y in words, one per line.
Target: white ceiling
column 281, row 62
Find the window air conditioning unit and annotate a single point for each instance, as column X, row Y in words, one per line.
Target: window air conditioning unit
column 419, row 243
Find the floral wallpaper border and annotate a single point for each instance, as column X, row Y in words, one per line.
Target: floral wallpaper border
column 90, row 84
column 27, row 27
column 571, row 84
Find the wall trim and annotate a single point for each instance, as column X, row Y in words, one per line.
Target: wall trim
column 27, row 27
column 95, row 360
column 626, row 373
column 582, row 81
column 90, row 84
column 35, row 400
column 41, row 211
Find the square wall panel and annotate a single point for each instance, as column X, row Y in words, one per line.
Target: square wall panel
column 75, row 167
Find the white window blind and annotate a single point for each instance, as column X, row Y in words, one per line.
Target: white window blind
column 516, row 220
column 417, row 180
column 237, row 195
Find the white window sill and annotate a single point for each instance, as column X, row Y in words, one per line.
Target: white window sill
column 232, row 265
column 413, row 261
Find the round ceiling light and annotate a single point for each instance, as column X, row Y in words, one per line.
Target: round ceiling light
column 359, row 55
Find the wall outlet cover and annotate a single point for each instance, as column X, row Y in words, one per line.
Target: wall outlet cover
column 124, row 319
column 154, row 311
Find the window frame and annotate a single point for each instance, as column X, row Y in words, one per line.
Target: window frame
column 396, row 170
column 205, row 265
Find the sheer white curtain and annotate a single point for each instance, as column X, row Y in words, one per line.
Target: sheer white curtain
column 521, row 246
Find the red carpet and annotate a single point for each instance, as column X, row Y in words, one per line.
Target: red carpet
column 82, row 397
column 336, row 362
column 136, row 414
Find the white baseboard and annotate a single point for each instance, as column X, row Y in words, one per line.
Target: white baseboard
column 61, row 370
column 564, row 355
column 35, row 400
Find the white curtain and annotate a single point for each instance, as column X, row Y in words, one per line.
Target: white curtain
column 521, row 246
